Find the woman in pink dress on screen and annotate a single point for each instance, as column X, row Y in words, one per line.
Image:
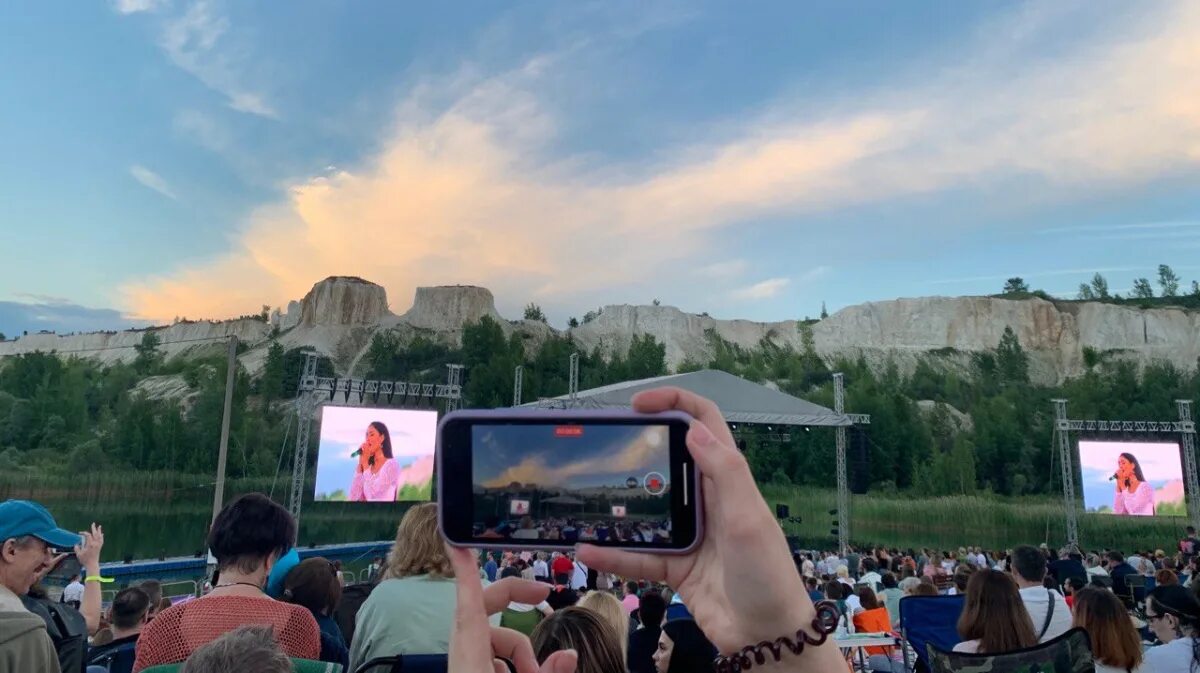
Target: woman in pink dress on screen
column 377, row 476
column 1134, row 496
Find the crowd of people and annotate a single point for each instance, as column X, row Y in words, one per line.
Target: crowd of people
column 573, row 530
column 590, row 609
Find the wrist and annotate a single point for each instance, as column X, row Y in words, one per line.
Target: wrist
column 792, row 651
column 92, row 568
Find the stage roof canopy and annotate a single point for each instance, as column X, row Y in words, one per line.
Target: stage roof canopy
column 741, row 401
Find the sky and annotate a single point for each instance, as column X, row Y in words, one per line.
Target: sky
column 201, row 158
column 603, row 455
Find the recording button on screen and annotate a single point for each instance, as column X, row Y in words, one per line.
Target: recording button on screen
column 654, row 483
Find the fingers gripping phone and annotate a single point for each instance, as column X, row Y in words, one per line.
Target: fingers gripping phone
column 548, row 479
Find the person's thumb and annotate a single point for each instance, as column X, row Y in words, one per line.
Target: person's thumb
column 563, row 661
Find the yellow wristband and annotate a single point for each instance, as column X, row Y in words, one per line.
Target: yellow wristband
column 97, row 578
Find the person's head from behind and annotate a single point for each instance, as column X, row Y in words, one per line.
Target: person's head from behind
column 249, row 648
column 562, row 579
column 961, row 577
column 833, row 590
column 631, row 588
column 610, row 610
column 888, row 580
column 510, row 571
column 29, row 538
column 1165, row 578
column 909, row 585
column 866, row 596
column 575, row 628
column 1114, row 558
column 1191, row 531
column 153, row 589
column 810, row 583
column 683, row 648
column 925, row 587
column 249, row 535
column 868, row 565
column 652, row 609
column 1114, row 640
column 130, row 611
column 1028, row 565
column 1173, row 612
column 418, row 548
column 995, row 615
column 313, row 584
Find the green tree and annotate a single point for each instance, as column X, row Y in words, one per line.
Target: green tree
column 591, row 315
column 1012, row 362
column 149, row 355
column 1142, row 289
column 1015, row 285
column 1195, row 293
column 1100, row 287
column 270, row 384
column 647, row 357
column 534, row 312
column 573, row 322
column 824, row 313
column 1085, row 292
column 1168, row 281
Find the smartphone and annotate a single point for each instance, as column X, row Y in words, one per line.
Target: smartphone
column 548, row 479
column 66, row 568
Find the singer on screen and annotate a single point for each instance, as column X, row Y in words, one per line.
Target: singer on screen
column 377, row 476
column 1134, row 496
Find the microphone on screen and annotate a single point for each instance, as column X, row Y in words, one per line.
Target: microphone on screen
column 1113, row 477
column 358, row 453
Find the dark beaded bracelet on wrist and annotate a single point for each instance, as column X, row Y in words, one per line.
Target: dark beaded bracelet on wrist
column 824, row 623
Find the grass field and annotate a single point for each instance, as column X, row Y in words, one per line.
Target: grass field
column 151, row 513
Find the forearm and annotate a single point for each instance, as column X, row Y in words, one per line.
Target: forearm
column 90, row 607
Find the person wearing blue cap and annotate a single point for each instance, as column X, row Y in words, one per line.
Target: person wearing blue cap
column 29, row 538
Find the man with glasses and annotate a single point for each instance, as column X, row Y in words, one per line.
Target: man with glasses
column 28, row 541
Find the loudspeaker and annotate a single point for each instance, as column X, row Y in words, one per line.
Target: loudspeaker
column 781, row 511
column 859, row 461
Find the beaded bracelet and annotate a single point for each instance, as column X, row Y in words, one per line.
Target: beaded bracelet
column 824, row 624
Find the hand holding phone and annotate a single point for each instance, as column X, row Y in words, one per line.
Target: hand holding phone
column 545, row 479
column 740, row 583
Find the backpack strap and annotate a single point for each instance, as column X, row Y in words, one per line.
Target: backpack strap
column 1049, row 614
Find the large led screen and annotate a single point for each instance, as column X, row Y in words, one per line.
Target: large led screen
column 375, row 454
column 1132, row 478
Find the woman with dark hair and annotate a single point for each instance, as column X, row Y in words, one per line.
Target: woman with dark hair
column 247, row 538
column 1116, row 646
column 683, row 648
column 1173, row 614
column 994, row 619
column 314, row 584
column 1134, row 497
column 377, row 477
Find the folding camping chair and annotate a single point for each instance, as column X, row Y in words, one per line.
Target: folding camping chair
column 1069, row 653
column 929, row 619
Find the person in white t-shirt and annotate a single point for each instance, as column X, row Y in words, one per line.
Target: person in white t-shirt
column 1047, row 608
column 1173, row 614
column 73, row 593
column 541, row 571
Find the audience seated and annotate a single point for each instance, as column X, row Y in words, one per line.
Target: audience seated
column 925, row 587
column 644, row 641
column 1047, row 608
column 610, row 610
column 1173, row 614
column 584, row 631
column 1118, row 569
column 994, row 618
column 891, row 595
column 1072, row 587
column 1165, row 578
column 1116, row 646
column 130, row 613
column 874, row 618
column 683, row 648
column 562, row 595
column 314, row 585
column 247, row 648
column 411, row 610
column 153, row 589
column 246, row 538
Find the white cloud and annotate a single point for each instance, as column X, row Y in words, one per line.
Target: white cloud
column 191, row 41
column 149, row 178
column 763, row 290
column 727, row 269
column 135, row 6
column 462, row 191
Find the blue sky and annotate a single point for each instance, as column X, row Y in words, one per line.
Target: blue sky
column 201, row 158
column 601, row 456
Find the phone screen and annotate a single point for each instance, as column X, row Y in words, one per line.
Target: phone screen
column 554, row 484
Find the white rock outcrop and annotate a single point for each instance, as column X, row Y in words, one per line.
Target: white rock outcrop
column 340, row 316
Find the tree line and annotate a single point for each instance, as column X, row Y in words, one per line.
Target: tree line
column 950, row 423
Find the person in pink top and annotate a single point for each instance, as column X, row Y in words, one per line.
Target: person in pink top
column 377, row 476
column 630, row 602
column 1134, row 496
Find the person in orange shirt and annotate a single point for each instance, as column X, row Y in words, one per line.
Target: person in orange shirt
column 874, row 619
